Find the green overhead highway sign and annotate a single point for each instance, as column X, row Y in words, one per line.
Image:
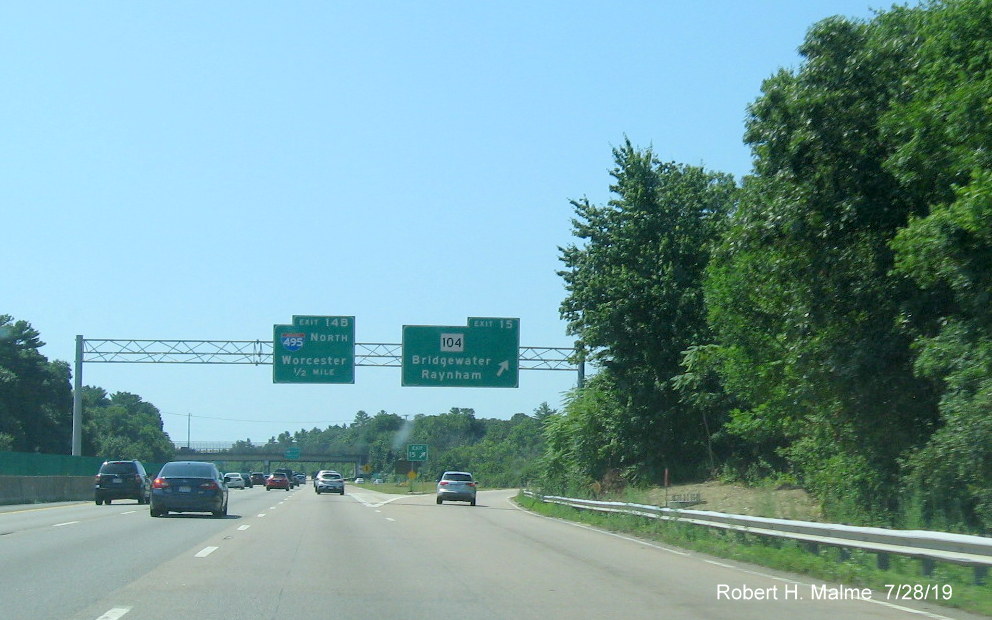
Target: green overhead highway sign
column 314, row 349
column 483, row 353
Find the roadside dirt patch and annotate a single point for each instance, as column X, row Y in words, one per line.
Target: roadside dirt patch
column 784, row 503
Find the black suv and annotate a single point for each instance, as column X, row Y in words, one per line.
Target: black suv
column 122, row 480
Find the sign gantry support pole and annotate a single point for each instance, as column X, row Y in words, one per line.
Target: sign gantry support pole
column 77, row 400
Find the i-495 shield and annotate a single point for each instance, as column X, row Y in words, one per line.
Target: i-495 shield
column 292, row 341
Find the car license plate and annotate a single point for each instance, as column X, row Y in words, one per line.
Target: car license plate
column 185, row 489
column 117, row 481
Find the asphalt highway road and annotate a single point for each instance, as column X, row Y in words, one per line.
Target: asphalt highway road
column 367, row 555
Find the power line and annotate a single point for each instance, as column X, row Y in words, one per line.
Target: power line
column 205, row 417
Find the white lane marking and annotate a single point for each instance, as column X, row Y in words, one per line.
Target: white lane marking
column 630, row 539
column 205, row 552
column 261, row 514
column 72, row 505
column 736, row 568
column 115, row 613
column 361, row 498
column 596, row 529
column 129, row 512
column 390, row 519
column 66, row 523
column 244, row 527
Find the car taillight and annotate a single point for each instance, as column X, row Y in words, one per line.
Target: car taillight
column 160, row 483
column 137, row 478
column 471, row 484
column 209, row 484
column 443, row 483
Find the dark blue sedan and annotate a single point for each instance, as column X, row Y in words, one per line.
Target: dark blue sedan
column 189, row 486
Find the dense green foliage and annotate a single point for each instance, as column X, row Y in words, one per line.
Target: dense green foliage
column 36, row 407
column 123, row 426
column 846, row 339
column 801, row 291
column 35, row 395
column 635, row 300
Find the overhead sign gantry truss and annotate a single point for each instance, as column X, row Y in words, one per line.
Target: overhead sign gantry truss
column 259, row 352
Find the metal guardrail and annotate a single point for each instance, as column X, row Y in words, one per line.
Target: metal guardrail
column 963, row 549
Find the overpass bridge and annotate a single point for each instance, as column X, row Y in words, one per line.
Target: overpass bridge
column 266, row 457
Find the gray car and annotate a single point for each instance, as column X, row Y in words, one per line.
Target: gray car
column 457, row 486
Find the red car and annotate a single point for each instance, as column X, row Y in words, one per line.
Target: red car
column 277, row 481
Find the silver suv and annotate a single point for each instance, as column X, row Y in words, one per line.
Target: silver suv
column 327, row 481
column 457, row 486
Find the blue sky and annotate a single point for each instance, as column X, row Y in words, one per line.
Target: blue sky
column 204, row 170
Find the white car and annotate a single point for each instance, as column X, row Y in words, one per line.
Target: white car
column 234, row 480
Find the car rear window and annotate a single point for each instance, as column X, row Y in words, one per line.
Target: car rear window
column 330, row 476
column 459, row 477
column 278, row 475
column 187, row 470
column 118, row 468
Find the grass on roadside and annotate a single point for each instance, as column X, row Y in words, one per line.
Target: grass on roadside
column 396, row 488
column 856, row 568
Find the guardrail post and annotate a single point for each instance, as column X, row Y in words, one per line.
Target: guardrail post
column 883, row 561
column 981, row 572
column 928, row 566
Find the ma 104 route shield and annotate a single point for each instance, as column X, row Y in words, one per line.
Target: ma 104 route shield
column 314, row 349
column 483, row 353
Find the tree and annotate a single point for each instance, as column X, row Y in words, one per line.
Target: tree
column 35, row 394
column 819, row 321
column 583, row 442
column 951, row 477
column 635, row 298
column 123, row 426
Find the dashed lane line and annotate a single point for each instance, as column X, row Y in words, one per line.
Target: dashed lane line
column 205, row 552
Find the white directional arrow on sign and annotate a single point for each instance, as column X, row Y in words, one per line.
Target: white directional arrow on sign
column 503, row 367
